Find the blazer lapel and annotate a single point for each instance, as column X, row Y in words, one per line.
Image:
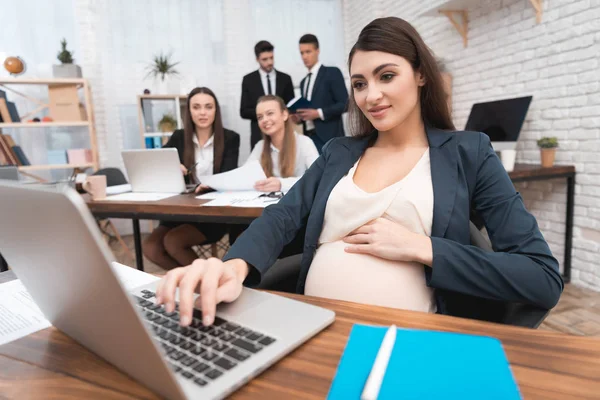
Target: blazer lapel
column 278, row 84
column 444, row 173
column 258, row 83
column 317, row 83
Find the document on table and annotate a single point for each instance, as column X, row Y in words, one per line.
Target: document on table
column 132, row 277
column 20, row 316
column 245, row 198
column 116, row 189
column 139, row 196
column 242, row 178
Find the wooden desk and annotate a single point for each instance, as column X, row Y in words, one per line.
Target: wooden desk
column 545, row 364
column 532, row 172
column 184, row 207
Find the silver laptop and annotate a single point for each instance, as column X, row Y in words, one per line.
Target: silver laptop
column 154, row 170
column 9, row 173
column 70, row 278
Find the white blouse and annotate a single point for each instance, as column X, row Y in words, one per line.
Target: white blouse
column 365, row 278
column 306, row 154
column 204, row 155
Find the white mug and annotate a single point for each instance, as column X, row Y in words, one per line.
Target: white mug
column 508, row 159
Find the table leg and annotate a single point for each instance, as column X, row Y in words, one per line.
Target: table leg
column 3, row 264
column 569, row 228
column 139, row 257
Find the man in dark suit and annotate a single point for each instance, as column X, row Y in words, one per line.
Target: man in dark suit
column 261, row 82
column 324, row 87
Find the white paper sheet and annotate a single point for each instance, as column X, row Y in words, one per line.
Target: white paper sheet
column 20, row 316
column 117, row 189
column 139, row 196
column 132, row 277
column 242, row 178
column 246, row 198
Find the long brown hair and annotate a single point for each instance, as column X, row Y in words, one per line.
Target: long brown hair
column 396, row 36
column 189, row 130
column 287, row 155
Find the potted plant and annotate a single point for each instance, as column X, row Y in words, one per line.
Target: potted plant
column 67, row 68
column 161, row 68
column 167, row 123
column 547, row 147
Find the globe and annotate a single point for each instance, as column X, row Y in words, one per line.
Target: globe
column 14, row 65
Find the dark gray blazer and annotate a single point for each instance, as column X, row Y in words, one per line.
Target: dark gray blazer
column 466, row 175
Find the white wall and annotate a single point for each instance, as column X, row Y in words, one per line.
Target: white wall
column 509, row 55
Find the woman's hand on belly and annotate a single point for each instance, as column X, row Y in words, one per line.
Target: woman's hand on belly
column 386, row 239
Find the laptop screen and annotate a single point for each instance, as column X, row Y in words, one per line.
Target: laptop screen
column 501, row 120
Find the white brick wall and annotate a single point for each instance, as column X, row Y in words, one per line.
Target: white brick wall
column 509, row 55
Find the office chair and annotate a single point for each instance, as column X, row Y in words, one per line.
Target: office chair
column 283, row 277
column 114, row 177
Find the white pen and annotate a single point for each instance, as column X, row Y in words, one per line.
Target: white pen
column 371, row 389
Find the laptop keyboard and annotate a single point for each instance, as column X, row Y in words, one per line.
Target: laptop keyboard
column 201, row 353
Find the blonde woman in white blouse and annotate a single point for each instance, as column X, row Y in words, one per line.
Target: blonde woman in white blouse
column 283, row 154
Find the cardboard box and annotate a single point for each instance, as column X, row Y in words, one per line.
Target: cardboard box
column 64, row 103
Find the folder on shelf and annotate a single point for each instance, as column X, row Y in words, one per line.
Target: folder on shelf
column 57, row 157
column 21, row 155
column 16, row 150
column 426, row 365
column 79, row 156
column 12, row 111
column 4, row 113
column 7, row 151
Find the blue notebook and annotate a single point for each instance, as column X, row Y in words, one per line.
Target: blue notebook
column 426, row 365
column 298, row 103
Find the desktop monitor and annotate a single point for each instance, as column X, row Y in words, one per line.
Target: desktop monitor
column 501, row 120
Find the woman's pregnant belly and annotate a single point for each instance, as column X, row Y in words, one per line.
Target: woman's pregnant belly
column 367, row 279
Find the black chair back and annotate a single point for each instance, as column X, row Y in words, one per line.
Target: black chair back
column 114, row 176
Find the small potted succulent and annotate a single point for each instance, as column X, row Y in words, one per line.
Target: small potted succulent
column 67, row 67
column 547, row 147
column 167, row 123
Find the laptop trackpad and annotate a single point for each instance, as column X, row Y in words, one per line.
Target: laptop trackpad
column 248, row 300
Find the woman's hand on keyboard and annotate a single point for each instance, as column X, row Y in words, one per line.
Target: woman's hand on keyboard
column 215, row 280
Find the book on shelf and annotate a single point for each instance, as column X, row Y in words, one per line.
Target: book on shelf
column 12, row 111
column 4, row 113
column 153, row 142
column 21, row 155
column 16, row 150
column 57, row 157
column 7, row 151
column 3, row 159
column 79, row 156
